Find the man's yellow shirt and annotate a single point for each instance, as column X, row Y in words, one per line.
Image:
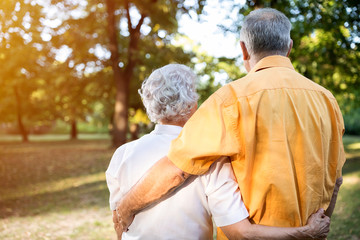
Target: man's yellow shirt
column 283, row 134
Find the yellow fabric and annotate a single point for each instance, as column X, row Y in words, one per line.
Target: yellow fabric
column 283, row 134
column 220, row 235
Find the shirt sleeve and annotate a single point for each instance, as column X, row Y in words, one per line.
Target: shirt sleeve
column 209, row 134
column 342, row 157
column 223, row 194
column 113, row 177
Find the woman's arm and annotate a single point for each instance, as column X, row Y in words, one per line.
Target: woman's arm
column 329, row 211
column 318, row 226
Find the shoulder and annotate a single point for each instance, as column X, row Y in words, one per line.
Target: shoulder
column 118, row 159
column 129, row 146
column 229, row 93
column 322, row 89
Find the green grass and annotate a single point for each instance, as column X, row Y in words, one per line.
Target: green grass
column 53, row 137
column 345, row 221
column 53, row 188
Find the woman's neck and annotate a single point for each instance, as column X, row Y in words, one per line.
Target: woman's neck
column 176, row 123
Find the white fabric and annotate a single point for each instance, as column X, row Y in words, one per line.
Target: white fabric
column 187, row 213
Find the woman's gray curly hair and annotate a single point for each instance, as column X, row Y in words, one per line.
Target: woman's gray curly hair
column 169, row 93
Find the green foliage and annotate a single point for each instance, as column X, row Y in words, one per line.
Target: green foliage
column 80, row 86
column 67, row 71
column 22, row 56
column 326, row 42
column 210, row 69
column 138, row 117
column 49, row 88
column 351, row 120
column 83, row 80
column 154, row 48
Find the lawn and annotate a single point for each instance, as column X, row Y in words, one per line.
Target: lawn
column 57, row 190
column 346, row 218
column 54, row 190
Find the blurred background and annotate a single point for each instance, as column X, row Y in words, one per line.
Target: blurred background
column 69, row 75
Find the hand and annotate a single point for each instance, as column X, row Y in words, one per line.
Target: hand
column 124, row 217
column 319, row 225
column 117, row 226
column 118, row 230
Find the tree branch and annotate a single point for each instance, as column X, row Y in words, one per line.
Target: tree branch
column 141, row 21
column 127, row 8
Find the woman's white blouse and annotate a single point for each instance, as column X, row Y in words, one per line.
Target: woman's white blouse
column 187, row 213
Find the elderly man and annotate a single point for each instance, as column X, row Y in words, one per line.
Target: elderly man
column 170, row 99
column 282, row 132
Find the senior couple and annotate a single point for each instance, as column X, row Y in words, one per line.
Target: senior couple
column 261, row 157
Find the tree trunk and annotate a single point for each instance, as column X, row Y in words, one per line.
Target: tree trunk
column 122, row 77
column 120, row 119
column 22, row 129
column 74, row 132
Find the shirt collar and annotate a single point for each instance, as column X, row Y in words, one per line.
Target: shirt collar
column 167, row 129
column 272, row 61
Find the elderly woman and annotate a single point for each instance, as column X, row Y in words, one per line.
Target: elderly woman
column 169, row 96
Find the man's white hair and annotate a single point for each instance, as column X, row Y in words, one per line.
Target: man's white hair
column 169, row 93
column 265, row 32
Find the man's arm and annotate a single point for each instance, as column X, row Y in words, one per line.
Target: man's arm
column 329, row 211
column 117, row 227
column 318, row 226
column 158, row 181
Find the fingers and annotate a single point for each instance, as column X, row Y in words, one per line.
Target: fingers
column 124, row 226
column 115, row 217
column 320, row 211
column 324, row 228
column 328, row 221
column 122, row 223
column 319, row 224
column 118, row 230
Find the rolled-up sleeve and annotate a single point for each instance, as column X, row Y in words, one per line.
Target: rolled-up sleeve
column 341, row 127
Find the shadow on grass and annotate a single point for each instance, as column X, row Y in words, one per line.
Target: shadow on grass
column 88, row 195
column 40, row 164
column 345, row 221
column 22, row 164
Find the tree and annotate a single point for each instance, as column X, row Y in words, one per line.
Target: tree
column 139, row 47
column 326, row 42
column 22, row 56
column 80, row 80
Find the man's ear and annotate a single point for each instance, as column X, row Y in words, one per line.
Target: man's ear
column 244, row 50
column 290, row 47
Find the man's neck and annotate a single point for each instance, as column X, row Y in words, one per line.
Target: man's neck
column 255, row 59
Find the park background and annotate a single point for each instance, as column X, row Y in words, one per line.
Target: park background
column 69, row 75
